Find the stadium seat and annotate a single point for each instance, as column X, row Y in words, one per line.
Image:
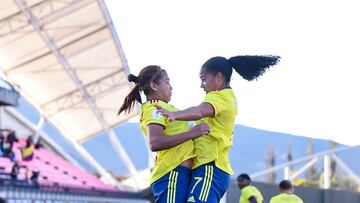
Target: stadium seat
column 53, row 169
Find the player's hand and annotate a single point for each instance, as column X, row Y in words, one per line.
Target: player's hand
column 200, row 129
column 167, row 114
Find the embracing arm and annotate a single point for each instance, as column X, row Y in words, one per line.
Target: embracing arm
column 192, row 113
column 158, row 141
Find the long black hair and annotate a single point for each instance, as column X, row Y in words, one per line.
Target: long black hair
column 249, row 67
column 142, row 81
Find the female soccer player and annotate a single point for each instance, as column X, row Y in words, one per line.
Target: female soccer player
column 211, row 168
column 172, row 141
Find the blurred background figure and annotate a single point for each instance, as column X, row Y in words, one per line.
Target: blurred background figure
column 249, row 193
column 286, row 194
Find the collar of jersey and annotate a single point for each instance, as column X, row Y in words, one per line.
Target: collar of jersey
column 153, row 101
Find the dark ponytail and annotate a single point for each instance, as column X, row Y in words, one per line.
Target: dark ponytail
column 146, row 75
column 132, row 97
column 133, row 78
column 251, row 67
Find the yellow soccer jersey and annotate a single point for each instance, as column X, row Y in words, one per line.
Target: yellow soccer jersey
column 249, row 191
column 216, row 145
column 166, row 160
column 286, row 198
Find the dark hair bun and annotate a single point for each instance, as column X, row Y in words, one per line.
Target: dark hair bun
column 133, row 78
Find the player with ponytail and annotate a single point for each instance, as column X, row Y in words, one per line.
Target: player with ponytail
column 211, row 168
column 172, row 141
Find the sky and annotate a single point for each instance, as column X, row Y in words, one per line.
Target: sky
column 312, row 92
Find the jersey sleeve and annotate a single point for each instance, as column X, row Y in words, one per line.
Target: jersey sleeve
column 152, row 116
column 247, row 192
column 216, row 100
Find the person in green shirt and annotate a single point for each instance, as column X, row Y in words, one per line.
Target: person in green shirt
column 286, row 194
column 249, row 193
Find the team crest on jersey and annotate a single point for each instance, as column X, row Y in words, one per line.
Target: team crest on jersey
column 156, row 115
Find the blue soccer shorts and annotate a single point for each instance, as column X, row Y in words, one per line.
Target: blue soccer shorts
column 208, row 184
column 172, row 187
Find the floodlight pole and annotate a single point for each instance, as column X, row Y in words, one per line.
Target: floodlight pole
column 66, row 66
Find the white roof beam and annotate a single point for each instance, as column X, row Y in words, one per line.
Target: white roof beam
column 48, row 18
column 71, row 100
column 116, row 143
column 58, row 48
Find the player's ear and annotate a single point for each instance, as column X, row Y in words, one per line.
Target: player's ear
column 219, row 77
column 153, row 86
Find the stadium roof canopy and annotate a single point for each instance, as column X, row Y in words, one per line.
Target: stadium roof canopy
column 8, row 94
column 66, row 59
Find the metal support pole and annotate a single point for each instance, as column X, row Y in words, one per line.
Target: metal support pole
column 287, row 173
column 20, row 118
column 281, row 166
column 151, row 158
column 346, row 168
column 39, row 128
column 327, row 172
column 86, row 155
column 80, row 149
column 304, row 168
column 1, row 117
